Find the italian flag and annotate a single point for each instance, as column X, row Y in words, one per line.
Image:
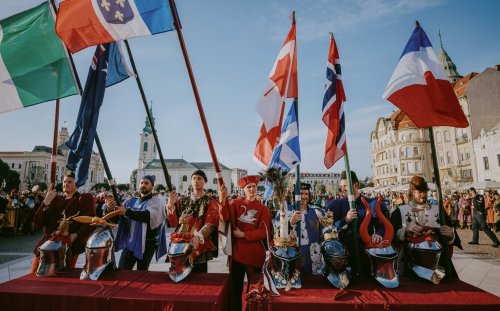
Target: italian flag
column 33, row 64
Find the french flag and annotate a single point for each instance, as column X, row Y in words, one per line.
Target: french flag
column 84, row 23
column 420, row 88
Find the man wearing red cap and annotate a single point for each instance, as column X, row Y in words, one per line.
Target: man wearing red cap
column 250, row 224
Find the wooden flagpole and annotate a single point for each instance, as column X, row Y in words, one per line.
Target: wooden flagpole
column 196, row 93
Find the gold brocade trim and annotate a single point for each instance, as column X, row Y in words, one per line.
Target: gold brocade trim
column 198, row 207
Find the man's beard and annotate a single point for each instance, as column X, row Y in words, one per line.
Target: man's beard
column 144, row 191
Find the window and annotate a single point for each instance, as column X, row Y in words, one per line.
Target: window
column 441, row 158
column 145, row 148
column 184, row 178
column 415, row 151
column 498, row 159
column 214, row 181
column 446, row 135
column 417, row 167
column 439, row 138
column 19, row 166
column 408, row 151
column 410, row 167
column 486, row 163
column 449, row 157
column 12, row 165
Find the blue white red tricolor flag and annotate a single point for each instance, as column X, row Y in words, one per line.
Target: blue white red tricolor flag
column 281, row 84
column 420, row 87
column 107, row 68
column 333, row 108
column 84, row 23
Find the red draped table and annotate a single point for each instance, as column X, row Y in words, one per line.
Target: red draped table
column 366, row 294
column 115, row 290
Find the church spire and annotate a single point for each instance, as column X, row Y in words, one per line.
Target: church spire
column 449, row 66
column 147, row 127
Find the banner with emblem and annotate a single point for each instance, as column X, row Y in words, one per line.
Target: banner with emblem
column 84, row 23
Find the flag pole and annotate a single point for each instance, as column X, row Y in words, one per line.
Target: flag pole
column 297, row 168
column 220, row 181
column 53, row 164
column 352, row 205
column 150, row 117
column 442, row 219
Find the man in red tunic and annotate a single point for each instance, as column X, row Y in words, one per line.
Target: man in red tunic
column 250, row 224
column 204, row 214
column 51, row 212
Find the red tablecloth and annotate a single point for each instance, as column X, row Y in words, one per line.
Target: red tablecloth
column 366, row 294
column 115, row 290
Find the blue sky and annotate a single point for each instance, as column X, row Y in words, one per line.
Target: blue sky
column 232, row 46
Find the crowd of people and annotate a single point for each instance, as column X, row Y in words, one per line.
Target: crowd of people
column 144, row 216
column 458, row 206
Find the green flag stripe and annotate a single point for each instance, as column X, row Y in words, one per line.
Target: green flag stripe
column 34, row 57
column 10, row 99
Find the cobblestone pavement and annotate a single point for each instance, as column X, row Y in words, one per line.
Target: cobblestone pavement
column 483, row 251
column 13, row 248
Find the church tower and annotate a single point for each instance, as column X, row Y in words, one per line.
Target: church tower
column 147, row 151
column 449, row 67
column 63, row 134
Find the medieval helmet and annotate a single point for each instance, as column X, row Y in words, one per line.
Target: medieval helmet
column 337, row 263
column 424, row 258
column 98, row 253
column 52, row 258
column 382, row 256
column 284, row 268
column 179, row 254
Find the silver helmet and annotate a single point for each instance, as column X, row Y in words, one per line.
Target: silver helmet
column 179, row 254
column 52, row 258
column 98, row 253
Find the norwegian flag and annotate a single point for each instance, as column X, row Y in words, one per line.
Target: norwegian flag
column 281, row 84
column 333, row 108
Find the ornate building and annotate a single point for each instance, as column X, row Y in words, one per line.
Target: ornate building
column 35, row 166
column 399, row 151
column 331, row 181
column 459, row 156
column 179, row 169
